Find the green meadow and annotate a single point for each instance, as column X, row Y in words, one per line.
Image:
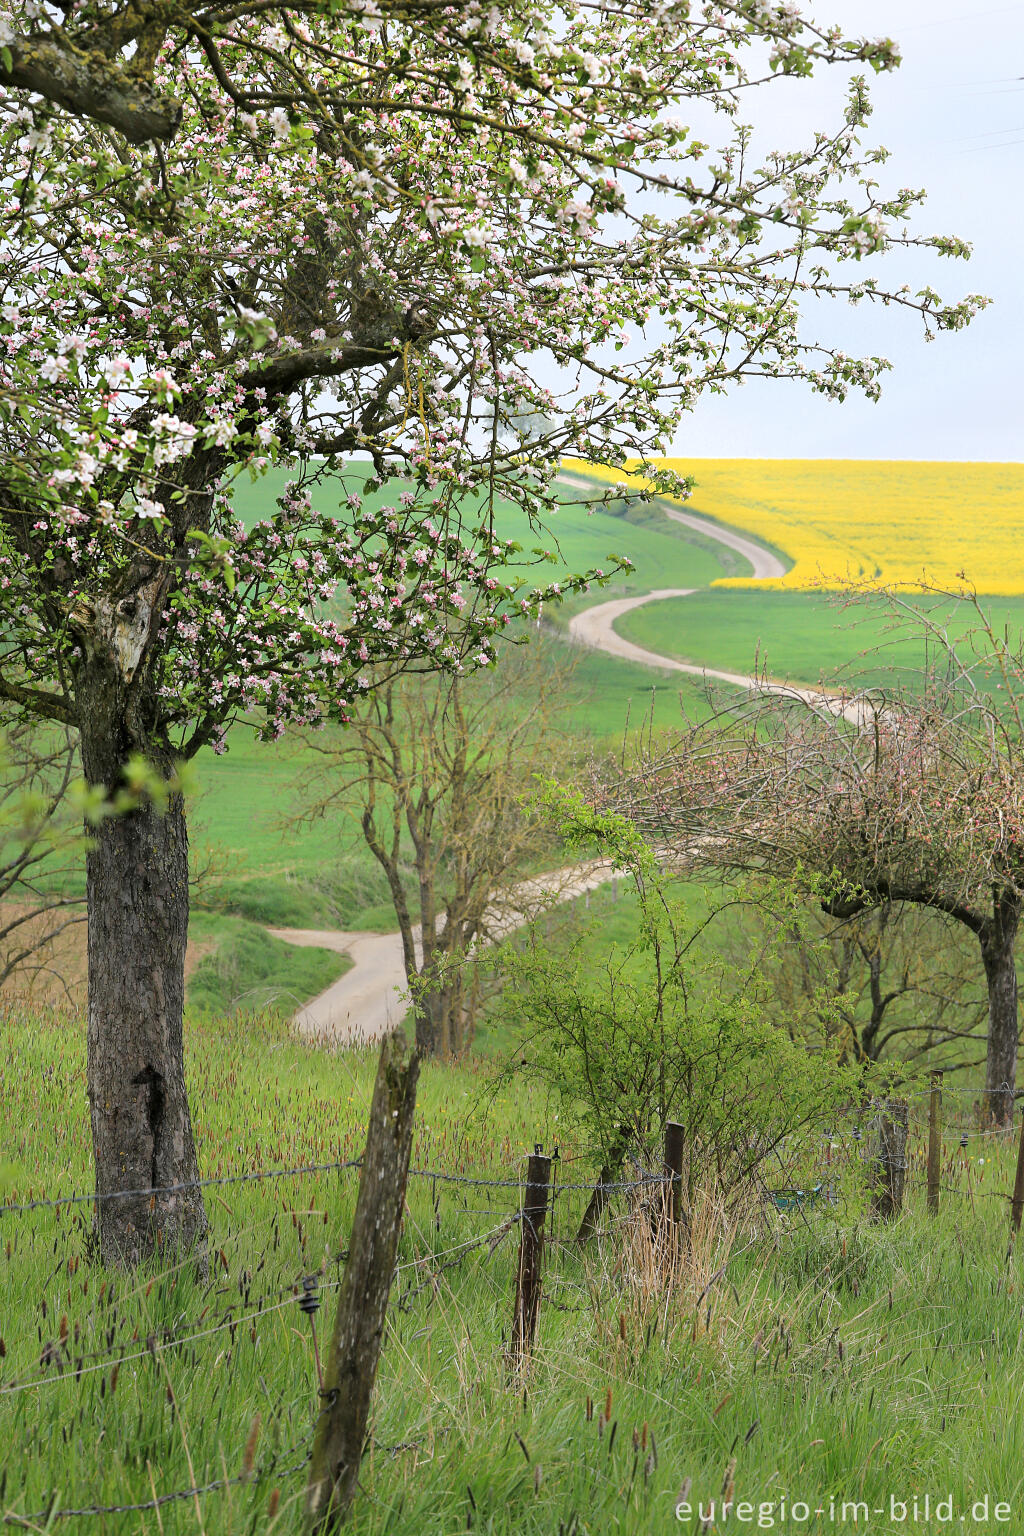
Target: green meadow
column 789, row 1358
column 800, row 636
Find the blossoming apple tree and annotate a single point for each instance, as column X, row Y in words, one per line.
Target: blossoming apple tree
column 399, row 232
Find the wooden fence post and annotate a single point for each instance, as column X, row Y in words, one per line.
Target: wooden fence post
column 934, row 1142
column 351, row 1366
column 893, row 1124
column 674, row 1177
column 531, row 1248
column 1017, row 1203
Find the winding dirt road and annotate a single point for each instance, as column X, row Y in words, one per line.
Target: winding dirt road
column 595, row 627
column 764, row 565
column 372, row 997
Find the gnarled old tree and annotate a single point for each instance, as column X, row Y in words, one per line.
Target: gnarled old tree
column 373, row 232
column 909, row 794
column 893, row 981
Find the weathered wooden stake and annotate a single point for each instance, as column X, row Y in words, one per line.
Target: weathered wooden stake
column 893, row 1124
column 351, row 1364
column 531, row 1248
column 1017, row 1203
column 674, row 1175
column 934, row 1142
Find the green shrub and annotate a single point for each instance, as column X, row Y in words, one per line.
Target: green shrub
column 664, row 1029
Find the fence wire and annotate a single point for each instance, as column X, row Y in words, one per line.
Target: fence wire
column 438, row 1175
column 45, row 1517
column 420, row 1273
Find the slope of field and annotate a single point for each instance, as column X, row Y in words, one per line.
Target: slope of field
column 807, row 637
column 579, row 538
column 844, row 521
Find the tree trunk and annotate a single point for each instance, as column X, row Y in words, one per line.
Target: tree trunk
column 351, row 1366
column 428, row 1023
column 137, row 882
column 599, row 1198
column 997, row 945
column 439, row 1012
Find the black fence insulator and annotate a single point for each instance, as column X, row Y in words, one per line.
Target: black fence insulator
column 309, row 1301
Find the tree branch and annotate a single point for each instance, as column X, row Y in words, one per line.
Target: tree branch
column 86, row 84
column 50, row 705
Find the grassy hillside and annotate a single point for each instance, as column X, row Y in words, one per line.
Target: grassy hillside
column 663, row 554
column 249, row 971
column 794, row 1357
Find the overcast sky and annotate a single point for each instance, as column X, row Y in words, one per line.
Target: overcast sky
column 953, row 117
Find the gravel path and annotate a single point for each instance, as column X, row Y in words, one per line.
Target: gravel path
column 370, row 999
column 595, row 627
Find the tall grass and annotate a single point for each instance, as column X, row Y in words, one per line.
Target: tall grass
column 810, row 1354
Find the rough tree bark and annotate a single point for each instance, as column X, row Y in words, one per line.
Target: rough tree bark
column 351, row 1366
column 84, row 82
column 997, row 946
column 440, row 1018
column 137, row 875
column 138, row 903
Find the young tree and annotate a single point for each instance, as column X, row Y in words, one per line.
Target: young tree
column 423, row 232
column 661, row 1029
column 442, row 774
column 915, row 796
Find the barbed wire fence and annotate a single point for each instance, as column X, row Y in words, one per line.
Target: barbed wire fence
column 851, row 1140
column 63, row 1358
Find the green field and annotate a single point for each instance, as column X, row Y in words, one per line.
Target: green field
column 662, row 553
column 796, row 636
column 268, row 867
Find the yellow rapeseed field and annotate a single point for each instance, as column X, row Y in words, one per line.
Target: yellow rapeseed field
column 841, row 520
